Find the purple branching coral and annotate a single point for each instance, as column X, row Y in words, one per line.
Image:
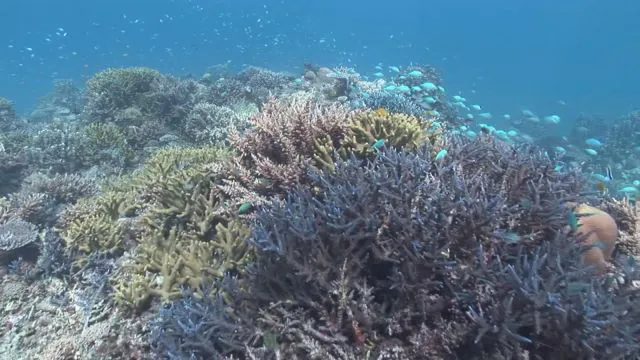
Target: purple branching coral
column 435, row 259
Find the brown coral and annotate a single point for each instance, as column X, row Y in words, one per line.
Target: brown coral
column 598, row 230
column 284, row 136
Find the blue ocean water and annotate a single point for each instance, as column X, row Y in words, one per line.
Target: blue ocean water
column 564, row 57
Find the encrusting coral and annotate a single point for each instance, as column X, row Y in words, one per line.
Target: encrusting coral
column 598, row 231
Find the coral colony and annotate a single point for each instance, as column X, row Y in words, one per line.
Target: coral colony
column 320, row 215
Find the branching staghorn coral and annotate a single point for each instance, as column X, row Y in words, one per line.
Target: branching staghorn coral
column 283, row 139
column 201, row 327
column 626, row 212
column 186, row 232
column 465, row 255
column 370, row 131
column 166, row 262
column 97, row 225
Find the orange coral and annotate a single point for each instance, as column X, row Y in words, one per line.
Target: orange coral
column 600, row 230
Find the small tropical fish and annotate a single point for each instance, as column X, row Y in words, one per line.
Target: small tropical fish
column 404, row 88
column 244, row 208
column 378, row 144
column 381, row 112
column 553, row 119
column 428, row 86
column 609, row 173
column 441, row 154
column 591, row 152
column 572, row 219
column 509, row 237
column 593, row 142
column 629, row 189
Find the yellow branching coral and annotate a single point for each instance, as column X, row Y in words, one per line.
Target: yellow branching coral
column 396, row 130
column 371, row 130
column 94, row 225
column 177, row 209
column 95, row 233
column 177, row 165
column 166, row 262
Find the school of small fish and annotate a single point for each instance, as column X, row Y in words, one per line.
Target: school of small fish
column 475, row 112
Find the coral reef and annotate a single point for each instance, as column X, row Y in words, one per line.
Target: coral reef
column 66, row 100
column 114, row 90
column 13, row 168
column 260, row 215
column 165, row 263
column 54, row 146
column 260, row 84
column 200, row 326
column 397, row 256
